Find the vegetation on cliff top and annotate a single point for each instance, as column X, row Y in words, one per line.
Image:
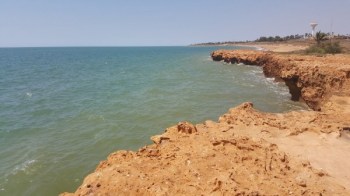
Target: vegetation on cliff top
column 277, row 38
column 322, row 47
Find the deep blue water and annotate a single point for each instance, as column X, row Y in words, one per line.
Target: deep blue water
column 62, row 110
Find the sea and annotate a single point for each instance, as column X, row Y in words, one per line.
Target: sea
column 64, row 109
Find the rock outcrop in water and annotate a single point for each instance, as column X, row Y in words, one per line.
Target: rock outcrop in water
column 248, row 152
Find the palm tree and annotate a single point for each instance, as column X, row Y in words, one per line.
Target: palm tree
column 320, row 36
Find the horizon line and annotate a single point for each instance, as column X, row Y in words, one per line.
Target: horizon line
column 97, row 46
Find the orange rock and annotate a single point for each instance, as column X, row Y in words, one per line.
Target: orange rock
column 186, row 127
column 313, row 84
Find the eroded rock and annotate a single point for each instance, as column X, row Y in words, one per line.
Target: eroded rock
column 186, row 127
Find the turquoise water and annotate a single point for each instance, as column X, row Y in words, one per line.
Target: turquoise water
column 62, row 110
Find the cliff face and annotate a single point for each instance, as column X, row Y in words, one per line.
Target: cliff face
column 247, row 152
column 310, row 78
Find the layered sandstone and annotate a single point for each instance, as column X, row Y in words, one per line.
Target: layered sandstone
column 248, row 152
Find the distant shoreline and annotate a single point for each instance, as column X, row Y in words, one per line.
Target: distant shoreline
column 267, row 46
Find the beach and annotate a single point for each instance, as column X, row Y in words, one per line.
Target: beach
column 246, row 151
column 282, row 47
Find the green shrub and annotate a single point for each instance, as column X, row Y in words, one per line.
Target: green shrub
column 320, row 36
column 315, row 49
column 324, row 48
column 332, row 48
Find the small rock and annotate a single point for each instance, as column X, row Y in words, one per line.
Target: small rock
column 157, row 139
column 254, row 193
column 321, row 173
column 301, row 182
column 186, row 127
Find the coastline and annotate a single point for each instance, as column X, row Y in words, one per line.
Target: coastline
column 278, row 47
column 293, row 152
column 309, row 78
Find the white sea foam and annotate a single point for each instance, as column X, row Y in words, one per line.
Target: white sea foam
column 96, row 117
column 29, row 94
column 270, row 79
column 23, row 166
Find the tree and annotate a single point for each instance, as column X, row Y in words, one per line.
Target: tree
column 320, row 36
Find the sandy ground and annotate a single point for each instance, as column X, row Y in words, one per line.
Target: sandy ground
column 281, row 47
column 278, row 47
column 292, row 46
column 320, row 138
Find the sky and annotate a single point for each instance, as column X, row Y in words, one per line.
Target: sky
column 28, row 23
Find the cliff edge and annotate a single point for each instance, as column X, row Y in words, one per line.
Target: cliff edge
column 309, row 78
column 248, row 152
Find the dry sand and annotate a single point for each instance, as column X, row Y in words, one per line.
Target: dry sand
column 279, row 46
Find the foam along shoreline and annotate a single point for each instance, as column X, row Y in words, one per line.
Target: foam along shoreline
column 246, row 151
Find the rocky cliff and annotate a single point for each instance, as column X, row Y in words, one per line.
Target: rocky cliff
column 248, row 152
column 310, row 78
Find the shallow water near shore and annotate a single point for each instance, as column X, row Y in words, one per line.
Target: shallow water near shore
column 62, row 110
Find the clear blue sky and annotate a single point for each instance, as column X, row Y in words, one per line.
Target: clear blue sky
column 162, row 22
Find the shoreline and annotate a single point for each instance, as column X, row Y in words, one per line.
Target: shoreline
column 278, row 47
column 303, row 146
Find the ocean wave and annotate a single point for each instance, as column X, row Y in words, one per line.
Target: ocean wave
column 23, row 167
column 270, row 79
column 96, row 117
column 29, row 94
